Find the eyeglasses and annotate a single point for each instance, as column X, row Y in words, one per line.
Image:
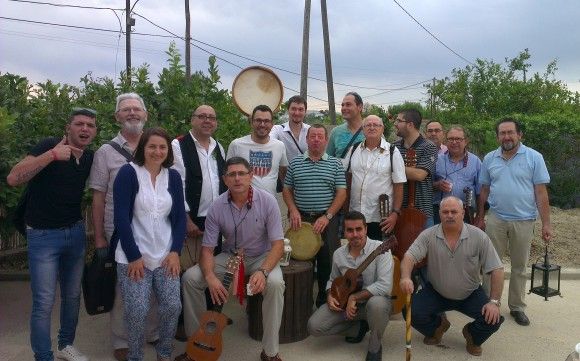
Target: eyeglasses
column 369, row 126
column 238, row 173
column 456, row 140
column 130, row 109
column 262, row 121
column 398, row 120
column 204, row 117
column 83, row 111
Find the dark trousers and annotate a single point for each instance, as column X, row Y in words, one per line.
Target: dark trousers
column 330, row 243
column 428, row 304
column 374, row 231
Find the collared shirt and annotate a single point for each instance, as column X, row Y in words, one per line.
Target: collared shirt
column 313, row 183
column 426, row 153
column 372, row 175
column 209, row 169
column 284, row 134
column 252, row 228
column 442, row 149
column 106, row 165
column 512, row 196
column 150, row 223
column 265, row 160
column 455, row 273
column 377, row 277
column 463, row 174
column 339, row 138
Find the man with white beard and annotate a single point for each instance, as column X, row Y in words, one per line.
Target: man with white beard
column 131, row 114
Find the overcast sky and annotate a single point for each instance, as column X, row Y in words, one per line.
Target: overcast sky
column 374, row 43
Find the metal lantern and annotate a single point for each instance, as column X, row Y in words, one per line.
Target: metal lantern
column 544, row 278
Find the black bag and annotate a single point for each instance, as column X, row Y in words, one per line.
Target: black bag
column 99, row 280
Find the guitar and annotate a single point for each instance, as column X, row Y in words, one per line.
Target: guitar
column 411, row 221
column 342, row 287
column 206, row 343
column 467, row 206
column 397, row 295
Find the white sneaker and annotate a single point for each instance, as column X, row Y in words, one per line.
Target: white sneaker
column 71, row 354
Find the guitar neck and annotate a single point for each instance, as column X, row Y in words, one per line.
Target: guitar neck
column 227, row 281
column 360, row 269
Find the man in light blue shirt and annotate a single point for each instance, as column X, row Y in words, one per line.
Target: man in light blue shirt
column 456, row 173
column 513, row 178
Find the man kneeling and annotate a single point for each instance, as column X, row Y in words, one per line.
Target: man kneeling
column 456, row 252
column 368, row 308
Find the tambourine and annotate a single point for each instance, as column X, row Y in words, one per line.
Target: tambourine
column 304, row 242
column 255, row 86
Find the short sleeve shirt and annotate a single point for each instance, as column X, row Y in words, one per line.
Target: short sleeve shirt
column 294, row 147
column 455, row 274
column 339, row 138
column 512, row 181
column 463, row 174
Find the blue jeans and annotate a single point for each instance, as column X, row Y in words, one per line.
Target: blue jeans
column 55, row 254
column 428, row 304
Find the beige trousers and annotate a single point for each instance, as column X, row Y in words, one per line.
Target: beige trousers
column 515, row 237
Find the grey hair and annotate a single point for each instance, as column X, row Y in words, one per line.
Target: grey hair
column 451, row 198
column 126, row 96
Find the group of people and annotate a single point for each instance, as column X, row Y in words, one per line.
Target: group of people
column 173, row 212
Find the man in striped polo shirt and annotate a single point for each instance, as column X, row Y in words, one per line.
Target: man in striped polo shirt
column 314, row 190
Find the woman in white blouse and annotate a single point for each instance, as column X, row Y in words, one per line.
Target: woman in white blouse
column 150, row 229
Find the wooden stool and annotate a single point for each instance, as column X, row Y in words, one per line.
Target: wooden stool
column 297, row 304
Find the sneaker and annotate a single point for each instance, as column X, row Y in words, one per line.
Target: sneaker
column 71, row 354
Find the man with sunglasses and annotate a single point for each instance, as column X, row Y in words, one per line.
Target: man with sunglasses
column 56, row 170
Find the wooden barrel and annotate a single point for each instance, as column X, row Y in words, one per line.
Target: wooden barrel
column 297, row 304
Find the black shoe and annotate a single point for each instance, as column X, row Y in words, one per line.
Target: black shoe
column 230, row 321
column 375, row 356
column 520, row 317
column 362, row 331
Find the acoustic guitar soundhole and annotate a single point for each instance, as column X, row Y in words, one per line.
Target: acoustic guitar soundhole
column 210, row 327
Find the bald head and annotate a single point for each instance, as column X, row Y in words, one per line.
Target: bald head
column 451, row 200
column 203, row 122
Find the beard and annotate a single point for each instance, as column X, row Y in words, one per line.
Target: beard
column 134, row 128
column 509, row 145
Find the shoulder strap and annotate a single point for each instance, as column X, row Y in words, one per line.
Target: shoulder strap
column 350, row 141
column 295, row 142
column 128, row 156
column 351, row 153
column 391, row 151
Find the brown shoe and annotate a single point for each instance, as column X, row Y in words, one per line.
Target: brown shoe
column 120, row 354
column 472, row 348
column 265, row 357
column 438, row 334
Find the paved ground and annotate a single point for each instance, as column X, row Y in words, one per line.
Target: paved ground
column 554, row 331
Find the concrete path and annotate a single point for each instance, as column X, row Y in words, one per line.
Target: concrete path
column 554, row 330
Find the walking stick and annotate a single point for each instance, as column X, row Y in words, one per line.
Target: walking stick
column 408, row 330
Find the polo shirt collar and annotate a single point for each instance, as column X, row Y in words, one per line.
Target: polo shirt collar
column 521, row 149
column 324, row 156
column 464, row 232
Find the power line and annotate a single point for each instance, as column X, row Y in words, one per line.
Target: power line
column 430, row 33
column 65, row 5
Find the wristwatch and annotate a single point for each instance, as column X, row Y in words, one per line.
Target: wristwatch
column 398, row 211
column 329, row 215
column 495, row 302
column 264, row 272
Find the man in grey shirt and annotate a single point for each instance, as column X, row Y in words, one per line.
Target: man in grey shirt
column 249, row 220
column 368, row 308
column 457, row 252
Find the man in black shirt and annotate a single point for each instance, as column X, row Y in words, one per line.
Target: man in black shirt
column 56, row 170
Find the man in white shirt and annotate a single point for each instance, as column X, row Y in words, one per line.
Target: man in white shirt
column 267, row 156
column 293, row 132
column 376, row 171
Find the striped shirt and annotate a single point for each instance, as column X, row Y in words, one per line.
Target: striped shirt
column 314, row 183
column 426, row 159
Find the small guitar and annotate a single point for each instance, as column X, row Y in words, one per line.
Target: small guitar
column 397, row 295
column 206, row 343
column 351, row 281
column 467, row 206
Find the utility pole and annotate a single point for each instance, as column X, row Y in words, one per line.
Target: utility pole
column 305, row 46
column 328, row 63
column 187, row 41
column 129, row 21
